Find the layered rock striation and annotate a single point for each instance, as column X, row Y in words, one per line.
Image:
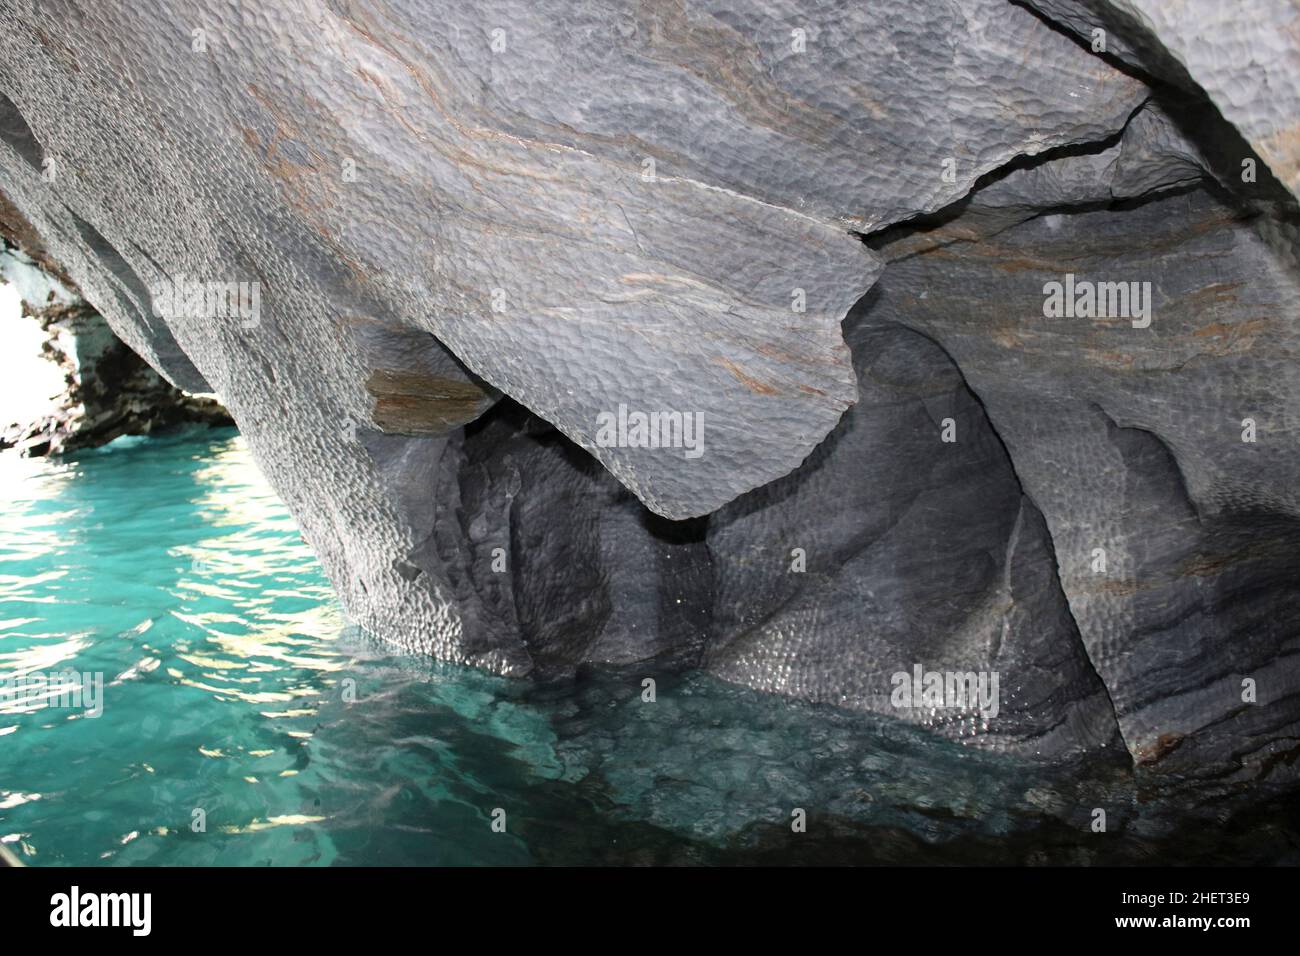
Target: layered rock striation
column 966, row 344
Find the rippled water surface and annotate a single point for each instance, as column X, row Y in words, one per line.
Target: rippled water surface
column 236, row 697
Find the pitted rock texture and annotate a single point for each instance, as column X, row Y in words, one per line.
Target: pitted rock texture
column 1162, row 457
column 926, row 553
column 478, row 230
column 1244, row 54
column 469, row 172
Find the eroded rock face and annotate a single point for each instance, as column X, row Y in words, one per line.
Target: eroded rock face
column 1244, row 55
column 1155, row 453
column 108, row 390
column 427, row 252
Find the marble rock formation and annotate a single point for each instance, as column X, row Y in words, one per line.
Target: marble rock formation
column 108, row 390
column 443, row 260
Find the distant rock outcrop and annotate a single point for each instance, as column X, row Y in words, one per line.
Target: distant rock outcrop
column 109, row 390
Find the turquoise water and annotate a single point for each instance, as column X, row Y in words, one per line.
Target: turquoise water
column 233, row 686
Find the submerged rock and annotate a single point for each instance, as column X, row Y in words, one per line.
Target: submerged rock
column 454, row 266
